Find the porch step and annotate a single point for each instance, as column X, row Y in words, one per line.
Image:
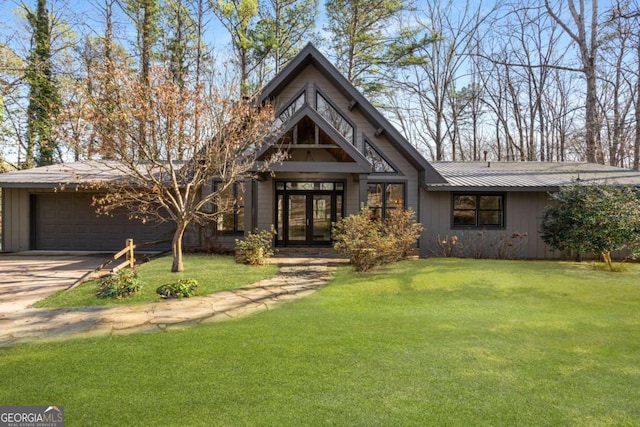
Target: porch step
column 292, row 252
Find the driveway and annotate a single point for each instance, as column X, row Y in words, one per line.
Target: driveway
column 26, row 278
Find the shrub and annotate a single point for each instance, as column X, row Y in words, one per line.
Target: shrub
column 119, row 285
column 402, row 225
column 510, row 246
column 481, row 244
column 369, row 242
column 256, row 248
column 183, row 288
column 593, row 219
column 448, row 246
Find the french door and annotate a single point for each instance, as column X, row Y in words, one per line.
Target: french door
column 304, row 217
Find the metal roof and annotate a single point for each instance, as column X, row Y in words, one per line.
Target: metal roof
column 527, row 176
column 65, row 174
column 460, row 176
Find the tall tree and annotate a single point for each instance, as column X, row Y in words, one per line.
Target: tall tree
column 617, row 87
column 289, row 24
column 44, row 98
column 240, row 18
column 145, row 16
column 583, row 31
column 629, row 11
column 367, row 37
column 432, row 79
column 11, row 72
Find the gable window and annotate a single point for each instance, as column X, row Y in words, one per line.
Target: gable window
column 291, row 109
column 334, row 117
column 231, row 204
column 383, row 197
column 478, row 210
column 378, row 163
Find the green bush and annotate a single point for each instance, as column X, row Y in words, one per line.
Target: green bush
column 183, row 288
column 119, row 285
column 593, row 219
column 370, row 242
column 256, row 247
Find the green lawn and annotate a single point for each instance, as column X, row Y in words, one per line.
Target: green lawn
column 213, row 273
column 430, row 342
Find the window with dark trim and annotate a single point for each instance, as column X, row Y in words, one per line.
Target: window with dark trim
column 478, row 210
column 334, row 117
column 231, row 203
column 291, row 109
column 383, row 197
column 378, row 163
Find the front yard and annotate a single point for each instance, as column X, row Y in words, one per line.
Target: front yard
column 213, row 274
column 428, row 342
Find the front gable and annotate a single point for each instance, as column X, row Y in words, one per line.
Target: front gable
column 311, row 93
column 314, row 145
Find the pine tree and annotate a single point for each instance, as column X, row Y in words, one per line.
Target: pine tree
column 239, row 17
column 288, row 24
column 362, row 40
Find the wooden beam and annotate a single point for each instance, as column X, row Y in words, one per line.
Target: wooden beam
column 320, row 146
column 318, row 167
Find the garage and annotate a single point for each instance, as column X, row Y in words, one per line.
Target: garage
column 62, row 221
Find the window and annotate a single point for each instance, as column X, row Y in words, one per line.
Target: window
column 334, row 117
column 378, row 163
column 478, row 210
column 294, row 106
column 231, row 204
column 384, row 196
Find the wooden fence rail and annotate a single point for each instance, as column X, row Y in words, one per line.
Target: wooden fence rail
column 130, row 260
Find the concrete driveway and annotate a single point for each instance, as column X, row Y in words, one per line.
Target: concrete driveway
column 29, row 277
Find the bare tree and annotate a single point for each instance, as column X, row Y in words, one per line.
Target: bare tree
column 154, row 183
column 626, row 14
column 583, row 32
column 430, row 82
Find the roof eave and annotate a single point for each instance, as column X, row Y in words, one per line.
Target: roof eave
column 490, row 189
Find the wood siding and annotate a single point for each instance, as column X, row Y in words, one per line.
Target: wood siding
column 519, row 238
column 15, row 219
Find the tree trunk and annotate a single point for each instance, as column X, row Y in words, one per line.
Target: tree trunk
column 176, row 248
column 606, row 256
column 636, row 148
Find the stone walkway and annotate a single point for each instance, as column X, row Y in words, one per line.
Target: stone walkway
column 298, row 277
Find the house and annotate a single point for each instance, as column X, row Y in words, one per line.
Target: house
column 342, row 153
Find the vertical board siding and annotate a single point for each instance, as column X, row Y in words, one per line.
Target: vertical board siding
column 265, row 207
column 16, row 220
column 523, row 215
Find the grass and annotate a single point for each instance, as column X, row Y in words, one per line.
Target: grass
column 213, row 273
column 429, row 342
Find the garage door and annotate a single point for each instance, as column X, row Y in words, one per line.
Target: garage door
column 69, row 222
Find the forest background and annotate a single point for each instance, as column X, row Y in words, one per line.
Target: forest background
column 517, row 80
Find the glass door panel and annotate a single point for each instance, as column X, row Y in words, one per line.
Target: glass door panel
column 321, row 215
column 297, row 218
